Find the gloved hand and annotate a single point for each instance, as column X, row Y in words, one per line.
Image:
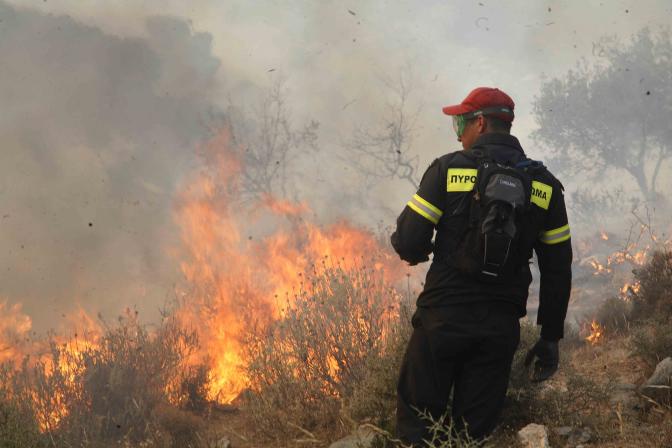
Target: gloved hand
column 421, row 260
column 548, row 356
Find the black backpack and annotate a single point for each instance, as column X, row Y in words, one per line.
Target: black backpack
column 497, row 206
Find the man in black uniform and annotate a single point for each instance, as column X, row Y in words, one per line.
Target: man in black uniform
column 466, row 328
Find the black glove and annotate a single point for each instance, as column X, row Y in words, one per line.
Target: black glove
column 548, row 356
column 415, row 262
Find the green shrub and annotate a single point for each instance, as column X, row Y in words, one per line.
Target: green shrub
column 443, row 434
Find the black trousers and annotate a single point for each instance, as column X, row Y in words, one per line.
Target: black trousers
column 464, row 349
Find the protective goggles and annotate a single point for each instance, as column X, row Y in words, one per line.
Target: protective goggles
column 460, row 121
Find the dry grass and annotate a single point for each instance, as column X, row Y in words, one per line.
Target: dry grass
column 589, row 387
column 329, row 365
column 580, row 395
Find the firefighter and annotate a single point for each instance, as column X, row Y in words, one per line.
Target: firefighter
column 466, row 325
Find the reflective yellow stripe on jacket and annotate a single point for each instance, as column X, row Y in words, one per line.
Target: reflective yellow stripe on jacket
column 555, row 236
column 425, row 209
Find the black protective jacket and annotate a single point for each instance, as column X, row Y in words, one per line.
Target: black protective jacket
column 439, row 205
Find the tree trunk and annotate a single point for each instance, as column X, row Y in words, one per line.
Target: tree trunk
column 637, row 172
column 638, row 169
column 654, row 178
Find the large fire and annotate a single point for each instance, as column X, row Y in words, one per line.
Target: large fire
column 243, row 260
column 17, row 346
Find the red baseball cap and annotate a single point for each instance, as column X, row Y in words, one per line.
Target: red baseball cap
column 487, row 100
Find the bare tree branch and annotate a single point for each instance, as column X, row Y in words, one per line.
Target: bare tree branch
column 269, row 143
column 387, row 150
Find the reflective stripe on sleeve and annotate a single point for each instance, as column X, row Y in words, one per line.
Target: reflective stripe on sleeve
column 425, row 209
column 555, row 236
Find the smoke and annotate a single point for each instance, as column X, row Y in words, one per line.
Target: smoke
column 101, row 111
column 95, row 132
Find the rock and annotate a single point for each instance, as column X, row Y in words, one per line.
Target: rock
column 362, row 438
column 564, row 431
column 224, row 442
column 574, row 436
column 580, row 436
column 658, row 386
column 534, row 436
column 662, row 374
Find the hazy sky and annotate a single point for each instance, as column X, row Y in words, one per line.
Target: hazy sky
column 102, row 105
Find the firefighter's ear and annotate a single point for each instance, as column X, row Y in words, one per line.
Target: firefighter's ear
column 481, row 124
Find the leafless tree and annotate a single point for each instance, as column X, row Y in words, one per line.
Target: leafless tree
column 269, row 142
column 386, row 150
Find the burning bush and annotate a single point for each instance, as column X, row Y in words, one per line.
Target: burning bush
column 652, row 309
column 18, row 427
column 654, row 296
column 614, row 315
column 374, row 398
column 113, row 390
column 339, row 330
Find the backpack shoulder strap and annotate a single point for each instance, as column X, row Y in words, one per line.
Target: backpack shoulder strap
column 465, row 157
column 531, row 166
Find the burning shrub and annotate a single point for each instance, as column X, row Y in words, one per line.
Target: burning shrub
column 654, row 297
column 18, row 427
column 113, row 390
column 303, row 366
column 374, row 398
column 613, row 315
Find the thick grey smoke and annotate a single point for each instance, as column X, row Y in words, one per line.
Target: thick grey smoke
column 101, row 109
column 95, row 131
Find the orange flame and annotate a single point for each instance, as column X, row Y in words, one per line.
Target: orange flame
column 14, row 332
column 236, row 283
column 600, row 269
column 596, row 333
column 629, row 290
